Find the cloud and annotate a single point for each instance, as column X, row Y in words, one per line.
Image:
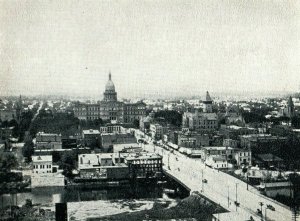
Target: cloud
column 161, row 48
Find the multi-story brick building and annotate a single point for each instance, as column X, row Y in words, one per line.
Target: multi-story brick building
column 263, row 143
column 48, row 141
column 143, row 165
column 110, row 108
column 201, row 120
column 189, row 139
column 158, row 130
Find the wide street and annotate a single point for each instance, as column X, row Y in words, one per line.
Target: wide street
column 220, row 187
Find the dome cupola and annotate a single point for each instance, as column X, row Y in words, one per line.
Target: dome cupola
column 110, row 94
column 109, row 85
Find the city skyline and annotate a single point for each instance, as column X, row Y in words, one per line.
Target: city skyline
column 156, row 49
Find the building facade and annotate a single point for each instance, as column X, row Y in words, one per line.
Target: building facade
column 45, row 174
column 110, row 109
column 197, row 121
column 108, row 140
column 119, row 165
column 144, row 165
column 91, row 138
column 42, row 164
column 243, row 157
column 289, row 109
column 189, row 139
column 112, row 128
column 46, row 141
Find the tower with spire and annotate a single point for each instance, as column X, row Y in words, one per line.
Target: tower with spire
column 19, row 109
column 290, row 108
column 207, row 103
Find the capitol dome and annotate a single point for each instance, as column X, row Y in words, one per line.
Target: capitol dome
column 110, row 85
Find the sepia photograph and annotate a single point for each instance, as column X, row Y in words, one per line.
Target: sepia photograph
column 149, row 110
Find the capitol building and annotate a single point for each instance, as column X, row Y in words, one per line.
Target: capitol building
column 110, row 108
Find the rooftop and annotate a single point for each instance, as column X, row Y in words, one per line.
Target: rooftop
column 209, row 116
column 126, row 147
column 47, row 134
column 45, row 158
column 219, row 158
column 217, row 148
column 256, row 135
column 91, row 131
column 143, row 156
column 92, row 160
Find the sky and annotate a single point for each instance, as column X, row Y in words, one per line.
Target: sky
column 152, row 48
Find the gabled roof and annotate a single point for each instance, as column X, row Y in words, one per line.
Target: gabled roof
column 43, row 158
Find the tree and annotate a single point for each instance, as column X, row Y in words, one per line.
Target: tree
column 56, row 156
column 296, row 122
column 28, row 150
column 8, row 161
column 63, row 123
column 25, row 122
column 172, row 117
column 68, row 162
column 136, row 123
column 98, row 122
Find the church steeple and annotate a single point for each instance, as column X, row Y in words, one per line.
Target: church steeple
column 207, row 103
column 290, row 107
column 19, row 108
column 109, row 76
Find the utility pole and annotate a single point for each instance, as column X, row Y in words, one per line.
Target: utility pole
column 236, row 184
column 228, row 195
column 202, row 180
column 169, row 160
column 247, row 181
column 261, row 205
column 236, row 197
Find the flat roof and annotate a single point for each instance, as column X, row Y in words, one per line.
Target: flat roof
column 91, row 131
column 218, row 148
column 219, row 158
column 143, row 156
column 47, row 134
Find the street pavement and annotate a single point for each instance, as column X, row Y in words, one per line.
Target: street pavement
column 220, row 187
